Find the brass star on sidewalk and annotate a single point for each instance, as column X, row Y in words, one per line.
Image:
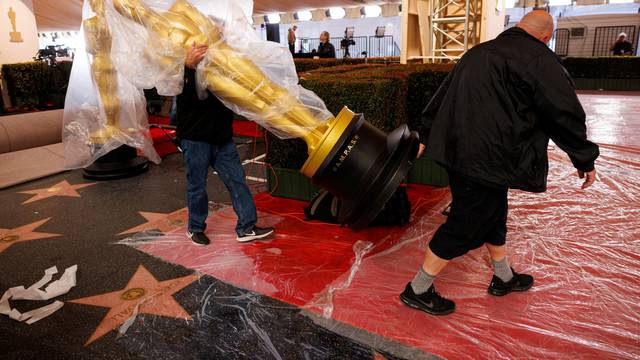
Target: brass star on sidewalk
column 163, row 222
column 22, row 233
column 63, row 188
column 143, row 291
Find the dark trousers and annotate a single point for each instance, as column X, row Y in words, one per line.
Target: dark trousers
column 478, row 215
column 224, row 159
column 292, row 48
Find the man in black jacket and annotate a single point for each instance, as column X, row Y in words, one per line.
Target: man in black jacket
column 489, row 125
column 205, row 130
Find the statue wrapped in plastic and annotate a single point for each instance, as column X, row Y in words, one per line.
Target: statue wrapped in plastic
column 256, row 79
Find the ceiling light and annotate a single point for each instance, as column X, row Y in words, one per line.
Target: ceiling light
column 336, row 12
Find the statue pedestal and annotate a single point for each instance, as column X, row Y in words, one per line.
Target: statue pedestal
column 15, row 36
column 120, row 163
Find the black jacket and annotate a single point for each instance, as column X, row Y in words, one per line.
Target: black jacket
column 493, row 116
column 205, row 120
column 327, row 50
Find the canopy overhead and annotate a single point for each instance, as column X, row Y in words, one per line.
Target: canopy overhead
column 66, row 15
column 57, row 15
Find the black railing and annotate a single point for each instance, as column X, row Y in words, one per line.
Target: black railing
column 561, row 39
column 606, row 36
column 360, row 47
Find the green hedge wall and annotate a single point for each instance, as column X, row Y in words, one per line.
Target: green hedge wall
column 388, row 96
column 611, row 67
column 37, row 84
column 304, row 65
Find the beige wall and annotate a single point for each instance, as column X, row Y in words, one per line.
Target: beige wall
column 11, row 52
column 493, row 14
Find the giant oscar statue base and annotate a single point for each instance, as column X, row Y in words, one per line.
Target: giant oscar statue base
column 350, row 158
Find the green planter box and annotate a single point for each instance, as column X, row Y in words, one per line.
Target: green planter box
column 290, row 183
column 427, row 172
column 607, row 84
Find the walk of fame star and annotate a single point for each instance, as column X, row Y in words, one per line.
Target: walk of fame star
column 143, row 290
column 63, row 188
column 163, row 222
column 23, row 233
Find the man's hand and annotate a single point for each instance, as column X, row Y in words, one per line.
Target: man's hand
column 195, row 54
column 590, row 178
column 421, row 151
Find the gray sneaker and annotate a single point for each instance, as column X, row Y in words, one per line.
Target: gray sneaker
column 255, row 234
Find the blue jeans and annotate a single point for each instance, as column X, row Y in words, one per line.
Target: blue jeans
column 224, row 159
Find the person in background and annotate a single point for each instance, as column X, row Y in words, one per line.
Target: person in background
column 206, row 137
column 291, row 39
column 326, row 49
column 489, row 125
column 622, row 46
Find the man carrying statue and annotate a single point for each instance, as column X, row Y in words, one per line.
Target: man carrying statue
column 205, row 133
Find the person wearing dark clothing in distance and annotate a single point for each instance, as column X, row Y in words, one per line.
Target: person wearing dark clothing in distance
column 622, row 46
column 326, row 49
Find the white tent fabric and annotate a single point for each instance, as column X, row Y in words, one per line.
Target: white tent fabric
column 66, row 15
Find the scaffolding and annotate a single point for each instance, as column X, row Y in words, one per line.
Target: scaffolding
column 439, row 30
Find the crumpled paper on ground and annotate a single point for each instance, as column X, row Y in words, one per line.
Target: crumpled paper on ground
column 33, row 292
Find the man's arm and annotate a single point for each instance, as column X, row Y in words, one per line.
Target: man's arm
column 431, row 110
column 561, row 114
column 194, row 56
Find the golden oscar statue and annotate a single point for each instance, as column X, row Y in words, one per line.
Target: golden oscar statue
column 14, row 35
column 123, row 161
column 347, row 156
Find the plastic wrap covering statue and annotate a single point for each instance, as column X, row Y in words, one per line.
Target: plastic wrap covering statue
column 133, row 45
column 137, row 44
column 103, row 110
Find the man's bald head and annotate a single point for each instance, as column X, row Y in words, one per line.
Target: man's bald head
column 539, row 24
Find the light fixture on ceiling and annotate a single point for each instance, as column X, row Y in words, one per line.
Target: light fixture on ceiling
column 336, row 12
column 304, row 15
column 372, row 11
column 559, row 2
column 273, row 18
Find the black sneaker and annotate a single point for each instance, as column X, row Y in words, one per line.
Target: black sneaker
column 430, row 302
column 198, row 238
column 519, row 282
column 255, row 233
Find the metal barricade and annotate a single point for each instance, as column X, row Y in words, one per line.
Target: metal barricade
column 606, row 36
column 561, row 42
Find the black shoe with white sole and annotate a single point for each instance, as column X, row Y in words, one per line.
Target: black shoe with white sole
column 255, row 234
column 519, row 282
column 430, row 302
column 198, row 238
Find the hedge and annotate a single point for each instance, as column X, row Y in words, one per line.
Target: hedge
column 304, row 65
column 610, row 67
column 37, row 84
column 388, row 96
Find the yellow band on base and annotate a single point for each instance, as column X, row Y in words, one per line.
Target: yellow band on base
column 322, row 149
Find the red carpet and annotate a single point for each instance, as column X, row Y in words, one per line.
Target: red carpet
column 581, row 246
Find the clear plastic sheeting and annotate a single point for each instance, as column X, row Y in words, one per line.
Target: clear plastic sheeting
column 582, row 247
column 134, row 44
column 103, row 109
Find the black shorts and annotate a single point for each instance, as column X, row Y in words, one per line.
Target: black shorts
column 478, row 215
